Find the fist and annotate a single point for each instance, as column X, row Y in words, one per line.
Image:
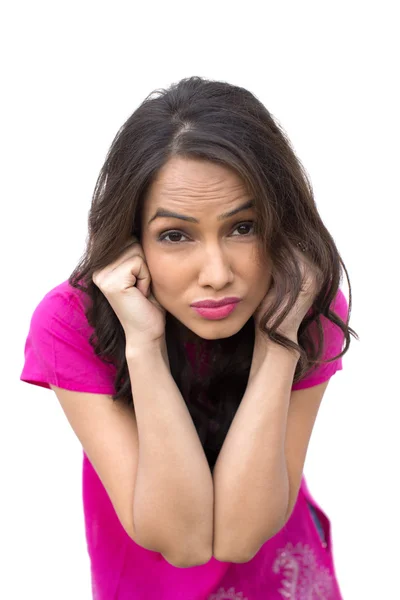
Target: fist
column 126, row 283
column 309, row 289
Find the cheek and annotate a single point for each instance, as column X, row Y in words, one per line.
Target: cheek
column 258, row 279
column 167, row 277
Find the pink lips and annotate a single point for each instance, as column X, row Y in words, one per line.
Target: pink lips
column 216, row 313
column 215, row 303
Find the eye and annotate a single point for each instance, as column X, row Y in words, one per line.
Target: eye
column 163, row 237
column 245, row 224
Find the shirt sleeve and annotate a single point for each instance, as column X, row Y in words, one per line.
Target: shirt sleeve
column 58, row 351
column 333, row 345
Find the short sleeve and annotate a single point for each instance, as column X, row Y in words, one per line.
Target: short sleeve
column 58, row 351
column 333, row 345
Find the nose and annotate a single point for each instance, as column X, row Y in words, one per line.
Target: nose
column 216, row 269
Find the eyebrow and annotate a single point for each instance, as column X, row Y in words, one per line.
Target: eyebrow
column 162, row 212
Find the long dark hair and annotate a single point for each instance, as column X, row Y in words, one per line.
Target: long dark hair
column 226, row 124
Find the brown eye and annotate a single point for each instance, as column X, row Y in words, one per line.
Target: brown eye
column 172, row 234
column 245, row 225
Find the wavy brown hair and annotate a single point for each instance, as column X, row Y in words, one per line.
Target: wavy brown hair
column 227, row 124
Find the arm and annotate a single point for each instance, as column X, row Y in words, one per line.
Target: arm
column 173, row 502
column 263, row 454
column 251, row 483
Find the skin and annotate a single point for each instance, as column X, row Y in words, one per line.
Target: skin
column 209, row 260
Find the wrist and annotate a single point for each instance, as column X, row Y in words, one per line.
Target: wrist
column 263, row 341
column 133, row 350
column 264, row 347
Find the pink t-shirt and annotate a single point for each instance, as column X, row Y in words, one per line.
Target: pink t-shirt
column 297, row 563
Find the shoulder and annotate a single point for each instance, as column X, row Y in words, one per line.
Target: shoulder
column 332, row 332
column 58, row 350
column 333, row 340
column 340, row 305
column 64, row 293
column 63, row 303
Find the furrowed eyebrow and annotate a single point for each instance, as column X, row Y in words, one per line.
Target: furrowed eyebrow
column 162, row 212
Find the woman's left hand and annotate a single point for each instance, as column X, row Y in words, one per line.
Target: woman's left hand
column 311, row 286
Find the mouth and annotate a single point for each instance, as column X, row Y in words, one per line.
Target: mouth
column 216, row 303
column 217, row 312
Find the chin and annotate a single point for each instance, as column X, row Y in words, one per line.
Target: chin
column 217, row 330
column 211, row 330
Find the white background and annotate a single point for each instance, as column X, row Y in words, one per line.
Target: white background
column 72, row 72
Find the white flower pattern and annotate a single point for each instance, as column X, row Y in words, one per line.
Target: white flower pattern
column 303, row 577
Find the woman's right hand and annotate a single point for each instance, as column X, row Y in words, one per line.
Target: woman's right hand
column 126, row 285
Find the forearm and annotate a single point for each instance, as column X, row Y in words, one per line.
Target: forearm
column 173, row 502
column 251, row 487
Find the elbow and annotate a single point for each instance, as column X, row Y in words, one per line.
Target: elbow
column 232, row 551
column 236, row 558
column 182, row 558
column 188, row 560
column 248, row 549
column 182, row 544
column 190, row 551
column 230, row 557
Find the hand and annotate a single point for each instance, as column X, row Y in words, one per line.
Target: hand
column 309, row 289
column 126, row 285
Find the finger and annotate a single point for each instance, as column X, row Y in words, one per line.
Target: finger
column 130, row 251
column 143, row 278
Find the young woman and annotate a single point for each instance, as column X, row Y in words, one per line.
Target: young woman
column 190, row 350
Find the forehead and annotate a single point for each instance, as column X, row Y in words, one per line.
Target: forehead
column 194, row 183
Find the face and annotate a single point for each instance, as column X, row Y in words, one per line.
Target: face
column 200, row 253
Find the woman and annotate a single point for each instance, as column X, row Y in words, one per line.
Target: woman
column 190, row 350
